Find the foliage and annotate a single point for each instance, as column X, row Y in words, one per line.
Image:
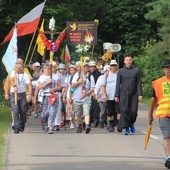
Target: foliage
column 129, row 23
column 157, row 50
column 161, row 14
column 119, row 21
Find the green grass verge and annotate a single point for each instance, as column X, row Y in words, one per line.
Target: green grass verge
column 5, row 122
column 145, row 101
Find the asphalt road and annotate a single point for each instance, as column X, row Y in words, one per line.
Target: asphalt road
column 99, row 150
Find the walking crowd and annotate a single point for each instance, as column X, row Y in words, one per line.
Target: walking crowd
column 83, row 94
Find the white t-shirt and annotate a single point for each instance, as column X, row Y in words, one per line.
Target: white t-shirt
column 97, row 89
column 110, row 83
column 61, row 79
column 79, row 89
column 55, row 76
column 21, row 81
column 43, row 79
column 67, row 82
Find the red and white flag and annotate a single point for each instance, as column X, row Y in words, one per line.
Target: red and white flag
column 67, row 54
column 28, row 23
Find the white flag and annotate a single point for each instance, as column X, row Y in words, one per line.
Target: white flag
column 10, row 57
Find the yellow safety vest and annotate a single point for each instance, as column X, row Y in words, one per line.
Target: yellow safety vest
column 162, row 93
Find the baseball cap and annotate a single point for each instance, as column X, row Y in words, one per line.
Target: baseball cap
column 37, row 64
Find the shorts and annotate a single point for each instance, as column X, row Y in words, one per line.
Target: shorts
column 82, row 108
column 164, row 124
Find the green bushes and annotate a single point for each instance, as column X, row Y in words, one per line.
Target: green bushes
column 151, row 68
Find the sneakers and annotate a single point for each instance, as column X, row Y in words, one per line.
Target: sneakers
column 16, row 131
column 56, row 128
column 22, row 128
column 101, row 124
column 96, row 123
column 127, row 131
column 12, row 126
column 36, row 115
column 50, row 131
column 88, row 130
column 39, row 115
column 110, row 129
column 45, row 128
column 108, row 126
column 167, row 163
column 79, row 130
column 72, row 126
column 132, row 129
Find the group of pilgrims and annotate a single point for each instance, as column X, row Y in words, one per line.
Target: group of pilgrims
column 83, row 95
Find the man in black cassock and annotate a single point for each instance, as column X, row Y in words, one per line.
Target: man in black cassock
column 128, row 93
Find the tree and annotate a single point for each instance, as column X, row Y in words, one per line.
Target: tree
column 157, row 50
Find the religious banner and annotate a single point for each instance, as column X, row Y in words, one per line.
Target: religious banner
column 81, row 33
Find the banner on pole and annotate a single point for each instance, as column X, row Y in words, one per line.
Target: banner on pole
column 81, row 33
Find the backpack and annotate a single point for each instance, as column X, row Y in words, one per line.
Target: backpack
column 71, row 78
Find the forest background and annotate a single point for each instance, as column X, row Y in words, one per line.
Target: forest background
column 142, row 27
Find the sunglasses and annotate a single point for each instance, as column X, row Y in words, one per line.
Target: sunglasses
column 113, row 65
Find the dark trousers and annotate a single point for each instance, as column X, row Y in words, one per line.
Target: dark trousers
column 111, row 110
column 19, row 110
column 94, row 111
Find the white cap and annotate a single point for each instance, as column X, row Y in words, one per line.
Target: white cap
column 37, row 64
column 77, row 63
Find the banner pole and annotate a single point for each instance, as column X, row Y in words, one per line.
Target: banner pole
column 32, row 53
column 29, row 48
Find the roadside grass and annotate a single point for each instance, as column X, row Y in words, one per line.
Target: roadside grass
column 145, row 101
column 5, row 122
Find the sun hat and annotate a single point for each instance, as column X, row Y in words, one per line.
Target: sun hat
column 113, row 62
column 85, row 64
column 92, row 63
column 72, row 66
column 62, row 66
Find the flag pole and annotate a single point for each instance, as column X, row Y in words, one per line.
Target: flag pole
column 92, row 52
column 15, row 93
column 32, row 53
column 29, row 48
